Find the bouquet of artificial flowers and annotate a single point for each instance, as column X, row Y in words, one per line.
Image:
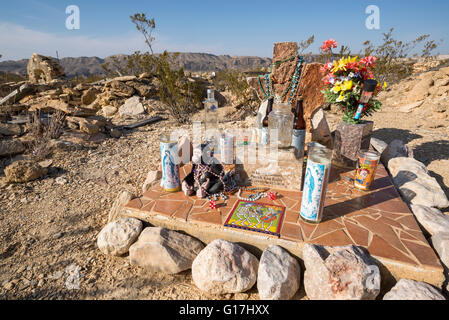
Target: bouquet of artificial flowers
column 344, row 79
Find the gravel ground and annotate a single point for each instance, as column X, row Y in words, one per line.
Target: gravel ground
column 50, row 225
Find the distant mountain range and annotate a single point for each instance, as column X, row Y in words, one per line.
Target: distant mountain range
column 191, row 61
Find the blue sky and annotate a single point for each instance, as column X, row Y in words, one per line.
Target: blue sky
column 218, row 27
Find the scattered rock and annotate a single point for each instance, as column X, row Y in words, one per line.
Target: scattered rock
column 410, row 107
column 61, row 180
column 224, row 267
column 42, row 69
column 440, row 242
column 7, row 129
column 339, row 273
column 406, row 289
column 320, row 129
column 89, row 96
column 432, row 219
column 421, row 90
column 122, row 90
column 132, row 107
column 24, row 171
column 109, row 111
column 415, row 184
column 163, row 250
column 279, row 274
column 396, row 149
column 153, row 177
column 115, row 133
column 11, row 147
column 116, row 237
column 116, row 210
column 379, row 145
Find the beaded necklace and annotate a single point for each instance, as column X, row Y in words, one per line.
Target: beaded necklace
column 293, row 81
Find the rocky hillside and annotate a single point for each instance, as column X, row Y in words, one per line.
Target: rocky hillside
column 190, row 61
column 426, row 94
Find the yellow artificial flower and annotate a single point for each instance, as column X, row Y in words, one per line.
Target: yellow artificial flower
column 385, row 85
column 337, row 87
column 347, row 85
column 340, row 65
column 341, row 97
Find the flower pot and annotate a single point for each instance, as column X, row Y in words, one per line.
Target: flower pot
column 349, row 139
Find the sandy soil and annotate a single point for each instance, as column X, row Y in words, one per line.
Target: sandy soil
column 48, row 225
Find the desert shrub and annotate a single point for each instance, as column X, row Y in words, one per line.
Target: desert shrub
column 44, row 131
column 180, row 94
column 232, row 80
column 395, row 56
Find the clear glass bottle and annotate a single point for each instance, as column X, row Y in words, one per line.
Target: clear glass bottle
column 281, row 119
column 315, row 182
column 211, row 119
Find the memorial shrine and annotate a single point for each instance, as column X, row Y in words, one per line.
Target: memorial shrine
column 311, row 190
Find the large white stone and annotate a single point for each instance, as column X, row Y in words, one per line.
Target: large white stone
column 164, row 250
column 440, row 242
column 339, row 273
column 407, row 289
column 116, row 237
column 432, row 219
column 279, row 274
column 224, row 267
column 415, row 184
column 132, row 107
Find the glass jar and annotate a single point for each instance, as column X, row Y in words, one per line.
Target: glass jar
column 281, row 119
column 315, row 182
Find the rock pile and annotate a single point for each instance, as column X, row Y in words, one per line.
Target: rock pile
column 427, row 92
column 421, row 191
column 223, row 267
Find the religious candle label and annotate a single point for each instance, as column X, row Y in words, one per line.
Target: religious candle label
column 364, row 176
column 170, row 168
column 315, row 183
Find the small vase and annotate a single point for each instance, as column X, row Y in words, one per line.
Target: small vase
column 349, row 139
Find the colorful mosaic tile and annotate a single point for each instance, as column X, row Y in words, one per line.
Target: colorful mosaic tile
column 258, row 217
column 377, row 220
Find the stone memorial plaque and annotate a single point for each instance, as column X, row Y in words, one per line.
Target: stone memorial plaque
column 261, row 166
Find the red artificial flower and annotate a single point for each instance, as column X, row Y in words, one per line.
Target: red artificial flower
column 369, row 61
column 328, row 45
column 354, row 66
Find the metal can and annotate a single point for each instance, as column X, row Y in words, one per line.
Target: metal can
column 366, row 169
column 315, row 183
column 227, row 148
column 170, row 181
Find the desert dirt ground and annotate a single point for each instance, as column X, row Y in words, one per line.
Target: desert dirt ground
column 51, row 224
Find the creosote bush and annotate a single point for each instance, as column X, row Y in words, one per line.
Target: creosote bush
column 180, row 94
column 44, row 131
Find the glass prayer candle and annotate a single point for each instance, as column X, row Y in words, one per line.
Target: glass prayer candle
column 315, row 182
column 170, row 181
